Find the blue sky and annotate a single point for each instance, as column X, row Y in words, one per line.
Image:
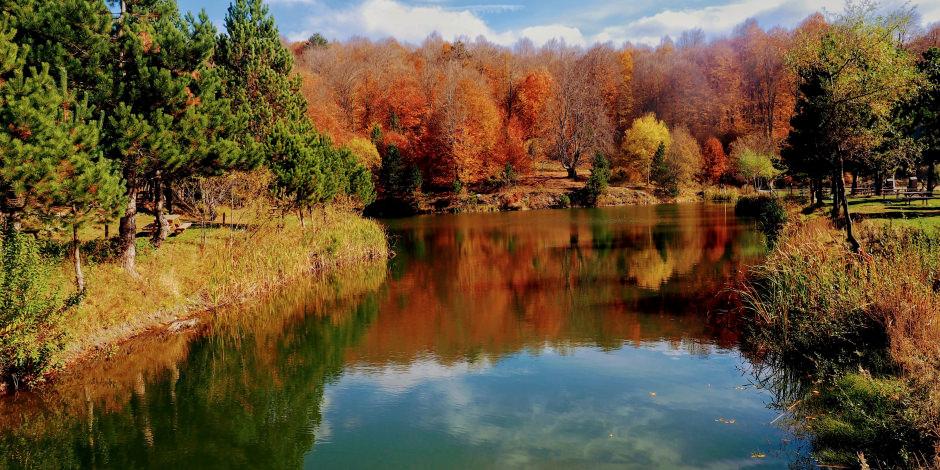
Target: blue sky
column 578, row 22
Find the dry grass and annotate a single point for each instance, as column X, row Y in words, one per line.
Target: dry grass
column 835, row 310
column 204, row 269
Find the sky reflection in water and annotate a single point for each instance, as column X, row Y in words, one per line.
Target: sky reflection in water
column 583, row 338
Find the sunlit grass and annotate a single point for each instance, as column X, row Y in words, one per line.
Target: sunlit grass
column 206, row 268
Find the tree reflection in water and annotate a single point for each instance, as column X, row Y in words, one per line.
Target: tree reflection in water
column 465, row 293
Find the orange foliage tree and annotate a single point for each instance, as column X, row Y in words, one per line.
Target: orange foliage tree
column 714, row 160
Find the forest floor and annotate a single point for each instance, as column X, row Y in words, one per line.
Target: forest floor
column 203, row 269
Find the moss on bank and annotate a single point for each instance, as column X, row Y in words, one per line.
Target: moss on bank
column 863, row 333
column 203, row 269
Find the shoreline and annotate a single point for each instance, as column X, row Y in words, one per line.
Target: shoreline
column 188, row 280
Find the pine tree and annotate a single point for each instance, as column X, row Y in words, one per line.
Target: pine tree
column 51, row 164
column 597, row 182
column 257, row 71
column 660, row 172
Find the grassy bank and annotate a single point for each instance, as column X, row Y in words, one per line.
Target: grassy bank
column 861, row 333
column 200, row 270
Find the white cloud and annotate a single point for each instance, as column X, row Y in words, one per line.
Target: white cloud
column 389, row 18
column 543, row 34
column 379, row 19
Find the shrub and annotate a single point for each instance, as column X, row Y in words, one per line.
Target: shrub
column 29, row 307
column 508, row 176
column 726, row 194
column 769, row 211
column 564, row 201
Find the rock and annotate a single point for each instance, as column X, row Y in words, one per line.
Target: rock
column 180, row 325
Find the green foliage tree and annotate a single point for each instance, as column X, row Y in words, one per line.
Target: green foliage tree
column 755, row 167
column 856, row 73
column 256, row 70
column 52, row 169
column 258, row 78
column 398, row 179
column 598, row 181
column 922, row 114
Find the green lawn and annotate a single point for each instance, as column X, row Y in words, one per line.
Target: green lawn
column 894, row 211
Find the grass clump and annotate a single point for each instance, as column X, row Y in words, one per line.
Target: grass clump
column 860, row 413
column 722, row 194
column 829, row 313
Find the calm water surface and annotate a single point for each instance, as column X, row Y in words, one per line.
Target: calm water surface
column 582, row 338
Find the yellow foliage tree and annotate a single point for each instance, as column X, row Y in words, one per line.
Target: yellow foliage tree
column 684, row 156
column 640, row 142
column 365, row 152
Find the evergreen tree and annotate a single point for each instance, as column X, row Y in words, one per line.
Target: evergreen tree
column 52, row 169
column 598, row 181
column 661, row 172
column 398, row 179
column 257, row 71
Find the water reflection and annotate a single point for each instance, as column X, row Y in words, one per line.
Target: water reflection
column 572, row 338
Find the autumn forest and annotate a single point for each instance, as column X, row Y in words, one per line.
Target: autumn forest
column 464, row 110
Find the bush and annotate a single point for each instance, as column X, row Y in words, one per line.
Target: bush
column 769, row 211
column 29, row 307
column 598, row 181
column 508, row 176
column 563, row 202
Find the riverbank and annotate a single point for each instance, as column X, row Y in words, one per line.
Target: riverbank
column 548, row 187
column 854, row 338
column 199, row 271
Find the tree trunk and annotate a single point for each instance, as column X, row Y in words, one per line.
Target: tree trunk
column 77, row 260
column 128, row 230
column 163, row 225
column 836, row 195
column 819, row 194
column 168, row 194
column 854, row 183
column 850, row 236
column 572, row 172
column 879, row 183
column 303, row 221
column 931, row 175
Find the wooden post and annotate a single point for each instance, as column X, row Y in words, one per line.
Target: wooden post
column 223, row 219
column 106, row 231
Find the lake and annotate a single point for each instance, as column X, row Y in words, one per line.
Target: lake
column 564, row 338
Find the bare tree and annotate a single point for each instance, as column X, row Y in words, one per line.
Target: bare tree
column 579, row 122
